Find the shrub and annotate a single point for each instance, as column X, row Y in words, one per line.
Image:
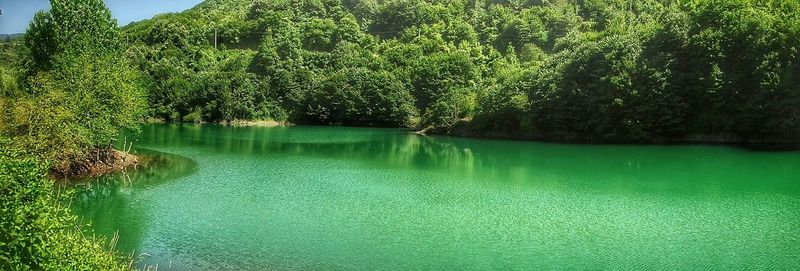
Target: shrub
column 37, row 232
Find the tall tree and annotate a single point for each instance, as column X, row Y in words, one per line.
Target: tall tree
column 81, row 89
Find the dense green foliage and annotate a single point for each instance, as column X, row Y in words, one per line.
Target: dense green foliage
column 37, row 231
column 710, row 68
column 600, row 70
column 11, row 52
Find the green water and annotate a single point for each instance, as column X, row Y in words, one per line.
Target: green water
column 322, row 198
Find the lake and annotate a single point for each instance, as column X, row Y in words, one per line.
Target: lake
column 336, row 198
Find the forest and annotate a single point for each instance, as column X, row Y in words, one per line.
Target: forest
column 597, row 71
column 652, row 71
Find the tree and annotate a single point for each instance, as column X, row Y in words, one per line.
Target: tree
column 444, row 87
column 71, row 27
column 361, row 97
column 82, row 91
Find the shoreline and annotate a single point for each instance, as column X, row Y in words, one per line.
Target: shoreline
column 231, row 123
column 713, row 140
column 97, row 162
column 255, row 123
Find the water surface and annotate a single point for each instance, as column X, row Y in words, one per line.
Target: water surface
column 333, row 198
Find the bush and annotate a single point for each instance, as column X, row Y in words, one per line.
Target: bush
column 81, row 105
column 194, row 117
column 37, row 232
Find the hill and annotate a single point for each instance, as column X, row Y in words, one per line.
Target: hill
column 601, row 70
column 11, row 36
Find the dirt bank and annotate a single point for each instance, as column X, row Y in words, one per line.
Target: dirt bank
column 255, row 123
column 96, row 163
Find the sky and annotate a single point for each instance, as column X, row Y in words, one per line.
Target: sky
column 18, row 13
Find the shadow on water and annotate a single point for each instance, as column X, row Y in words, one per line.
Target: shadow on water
column 680, row 168
column 154, row 168
column 97, row 197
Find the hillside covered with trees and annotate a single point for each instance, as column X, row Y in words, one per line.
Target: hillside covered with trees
column 602, row 70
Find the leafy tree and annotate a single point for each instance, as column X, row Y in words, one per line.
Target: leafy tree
column 70, row 27
column 444, row 86
column 81, row 91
